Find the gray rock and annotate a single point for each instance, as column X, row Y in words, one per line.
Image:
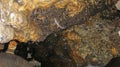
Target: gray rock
column 11, row 60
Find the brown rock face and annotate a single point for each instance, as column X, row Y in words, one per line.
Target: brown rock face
column 85, row 44
column 70, row 34
column 35, row 20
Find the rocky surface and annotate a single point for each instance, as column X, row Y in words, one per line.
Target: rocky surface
column 10, row 60
column 64, row 37
column 95, row 42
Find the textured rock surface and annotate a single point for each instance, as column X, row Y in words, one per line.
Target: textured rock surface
column 95, row 42
column 35, row 20
column 118, row 5
column 71, row 36
column 10, row 60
